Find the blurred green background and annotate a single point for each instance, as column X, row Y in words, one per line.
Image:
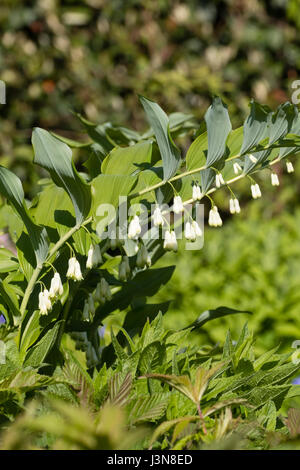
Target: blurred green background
column 93, row 57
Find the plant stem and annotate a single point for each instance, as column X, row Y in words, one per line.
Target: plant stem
column 30, row 287
column 39, row 267
column 202, row 417
column 186, row 173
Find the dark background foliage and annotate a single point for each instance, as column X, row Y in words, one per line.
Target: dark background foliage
column 95, row 56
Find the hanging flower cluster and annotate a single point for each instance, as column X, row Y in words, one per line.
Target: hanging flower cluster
column 255, row 191
column 47, row 297
column 192, row 231
column 234, row 206
column 219, row 180
column 197, row 195
column 45, row 304
column 214, row 218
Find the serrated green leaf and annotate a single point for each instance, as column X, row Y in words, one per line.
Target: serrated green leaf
column 149, row 408
column 38, row 353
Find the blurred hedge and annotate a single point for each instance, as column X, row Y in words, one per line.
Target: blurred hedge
column 94, row 56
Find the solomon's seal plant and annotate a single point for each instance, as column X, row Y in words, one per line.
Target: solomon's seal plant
column 86, row 246
column 94, row 253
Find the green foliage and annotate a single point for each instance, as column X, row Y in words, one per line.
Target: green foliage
column 86, row 279
column 190, row 399
column 252, row 263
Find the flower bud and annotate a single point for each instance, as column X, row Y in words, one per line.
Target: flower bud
column 290, row 167
column 236, row 168
column 122, row 271
column 142, row 257
column 274, row 179
column 105, row 289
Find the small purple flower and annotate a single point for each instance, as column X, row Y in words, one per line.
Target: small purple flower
column 296, row 381
column 2, row 319
column 101, row 331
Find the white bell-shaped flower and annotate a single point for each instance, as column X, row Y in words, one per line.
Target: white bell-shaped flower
column 274, row 179
column 170, row 242
column 47, row 299
column 134, row 228
column 290, row 167
column 197, row 229
column 56, row 287
column 237, row 206
column 158, row 217
column 74, row 270
column 44, row 302
column 255, row 190
column 178, row 205
column 231, row 206
column 214, row 219
column 94, row 257
column 197, row 195
column 189, row 232
column 219, row 180
column 234, row 206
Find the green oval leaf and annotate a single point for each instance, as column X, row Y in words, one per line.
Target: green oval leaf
column 56, row 157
